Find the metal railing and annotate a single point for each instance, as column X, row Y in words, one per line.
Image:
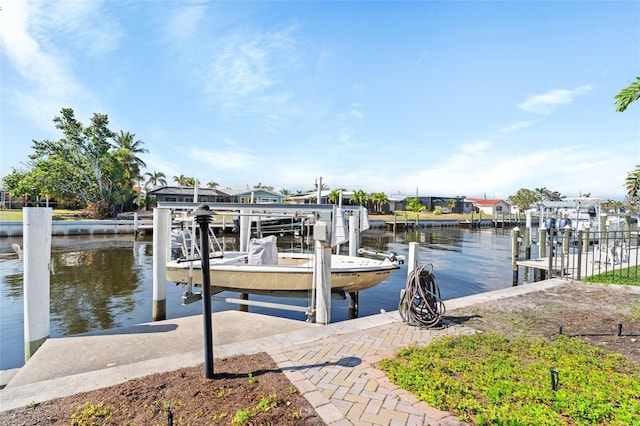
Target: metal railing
column 580, row 254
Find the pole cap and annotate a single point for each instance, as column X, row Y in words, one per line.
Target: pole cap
column 202, row 210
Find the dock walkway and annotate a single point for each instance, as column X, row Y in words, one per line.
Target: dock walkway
column 333, row 366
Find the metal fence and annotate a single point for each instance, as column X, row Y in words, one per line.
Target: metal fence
column 580, row 254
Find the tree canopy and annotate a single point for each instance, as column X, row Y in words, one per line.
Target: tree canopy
column 89, row 166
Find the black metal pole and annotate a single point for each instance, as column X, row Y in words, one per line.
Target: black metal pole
column 203, row 217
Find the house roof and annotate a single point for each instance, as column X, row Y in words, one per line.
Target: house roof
column 234, row 192
column 487, row 201
column 184, row 190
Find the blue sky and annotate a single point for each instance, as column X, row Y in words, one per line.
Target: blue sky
column 477, row 98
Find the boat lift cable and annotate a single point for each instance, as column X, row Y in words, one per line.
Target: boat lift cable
column 420, row 303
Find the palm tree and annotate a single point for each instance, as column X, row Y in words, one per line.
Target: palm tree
column 627, row 95
column 285, row 192
column 334, row 196
column 360, row 197
column 128, row 151
column 182, row 180
column 632, row 183
column 379, row 199
column 156, row 178
column 212, row 184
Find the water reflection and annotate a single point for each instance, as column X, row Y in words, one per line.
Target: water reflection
column 101, row 282
column 92, row 287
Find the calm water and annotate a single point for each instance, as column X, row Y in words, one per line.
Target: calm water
column 102, row 282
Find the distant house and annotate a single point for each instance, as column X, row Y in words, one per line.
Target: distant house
column 178, row 194
column 397, row 202
column 253, row 195
column 311, row 197
column 491, row 207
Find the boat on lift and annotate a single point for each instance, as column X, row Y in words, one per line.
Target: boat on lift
column 262, row 269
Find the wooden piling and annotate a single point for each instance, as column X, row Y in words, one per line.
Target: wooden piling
column 515, row 235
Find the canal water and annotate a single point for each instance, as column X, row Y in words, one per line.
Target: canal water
column 105, row 281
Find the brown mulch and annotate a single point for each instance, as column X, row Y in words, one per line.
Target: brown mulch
column 247, row 387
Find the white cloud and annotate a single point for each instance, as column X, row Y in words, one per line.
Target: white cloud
column 46, row 82
column 517, row 126
column 476, row 147
column 186, row 20
column 545, row 103
column 245, row 76
column 235, row 159
column 84, row 23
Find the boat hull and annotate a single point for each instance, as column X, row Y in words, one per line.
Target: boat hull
column 293, row 273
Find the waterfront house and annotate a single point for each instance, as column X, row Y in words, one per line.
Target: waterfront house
column 253, row 195
column 491, row 206
column 184, row 194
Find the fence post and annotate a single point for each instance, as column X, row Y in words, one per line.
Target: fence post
column 579, row 266
column 552, row 237
column 586, row 239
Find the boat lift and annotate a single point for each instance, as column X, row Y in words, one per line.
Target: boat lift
column 329, row 231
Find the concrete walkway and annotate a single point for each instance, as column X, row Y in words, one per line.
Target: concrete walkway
column 333, row 366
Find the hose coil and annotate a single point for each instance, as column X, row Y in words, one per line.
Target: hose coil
column 420, row 303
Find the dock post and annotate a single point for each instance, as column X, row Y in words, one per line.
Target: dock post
column 353, row 305
column 527, row 243
column 245, row 230
column 412, row 263
column 515, row 235
column 539, row 274
column 161, row 238
column 135, row 224
column 36, row 231
column 322, row 271
column 354, row 233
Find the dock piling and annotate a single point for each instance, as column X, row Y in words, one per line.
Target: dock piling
column 322, row 271
column 37, row 222
column 161, row 240
column 515, row 248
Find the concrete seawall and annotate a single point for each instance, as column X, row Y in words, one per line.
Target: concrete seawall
column 75, row 227
column 108, row 227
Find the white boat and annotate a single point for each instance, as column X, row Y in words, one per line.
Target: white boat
column 263, row 270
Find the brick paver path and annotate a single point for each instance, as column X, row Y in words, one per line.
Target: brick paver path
column 338, row 376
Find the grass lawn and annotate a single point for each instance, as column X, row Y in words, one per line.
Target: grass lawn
column 58, row 214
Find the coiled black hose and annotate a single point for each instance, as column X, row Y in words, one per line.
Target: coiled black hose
column 420, row 303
